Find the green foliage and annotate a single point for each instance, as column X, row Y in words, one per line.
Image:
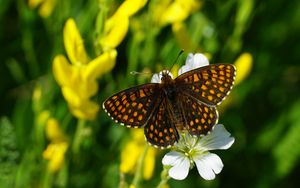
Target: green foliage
column 263, row 113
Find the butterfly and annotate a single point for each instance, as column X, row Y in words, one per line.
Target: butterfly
column 187, row 102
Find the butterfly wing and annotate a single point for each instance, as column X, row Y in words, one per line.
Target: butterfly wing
column 198, row 117
column 160, row 130
column 209, row 84
column 132, row 107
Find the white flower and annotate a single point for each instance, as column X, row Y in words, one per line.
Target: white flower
column 191, row 62
column 190, row 150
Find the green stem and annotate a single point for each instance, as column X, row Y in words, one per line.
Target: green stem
column 122, row 183
column 48, row 178
column 78, row 136
column 164, row 178
column 139, row 169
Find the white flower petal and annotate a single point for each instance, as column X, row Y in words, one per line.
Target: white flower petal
column 219, row 138
column 181, row 170
column 155, row 78
column 208, row 165
column 183, row 69
column 189, row 59
column 193, row 62
column 171, row 158
column 200, row 60
column 180, row 165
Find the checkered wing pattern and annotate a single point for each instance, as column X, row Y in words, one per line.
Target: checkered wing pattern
column 132, row 107
column 198, row 117
column 209, row 84
column 160, row 131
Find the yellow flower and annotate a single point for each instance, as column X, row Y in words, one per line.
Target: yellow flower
column 182, row 37
column 132, row 152
column 78, row 80
column 175, row 12
column 55, row 151
column 115, row 31
column 116, row 27
column 45, row 6
column 167, row 12
column 43, row 117
column 54, row 132
column 130, row 7
column 243, row 67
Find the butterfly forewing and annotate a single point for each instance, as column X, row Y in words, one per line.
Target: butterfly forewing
column 198, row 117
column 160, row 130
column 209, row 84
column 132, row 107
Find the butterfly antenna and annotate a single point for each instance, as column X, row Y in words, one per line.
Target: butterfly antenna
column 179, row 54
column 139, row 73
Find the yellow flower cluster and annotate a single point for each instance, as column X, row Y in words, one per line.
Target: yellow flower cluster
column 176, row 12
column 55, row 151
column 78, row 80
column 132, row 152
column 243, row 67
column 116, row 26
column 45, row 6
column 169, row 12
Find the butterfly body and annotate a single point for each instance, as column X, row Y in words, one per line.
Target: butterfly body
column 187, row 102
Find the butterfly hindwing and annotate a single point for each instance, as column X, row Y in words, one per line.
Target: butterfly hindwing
column 198, row 117
column 209, row 84
column 132, row 107
column 160, row 130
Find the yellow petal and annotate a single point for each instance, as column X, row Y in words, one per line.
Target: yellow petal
column 47, row 7
column 71, row 96
column 53, row 131
column 129, row 157
column 178, row 11
column 149, row 163
column 130, row 7
column 43, row 117
column 243, row 67
column 55, row 154
column 191, row 5
column 115, row 30
column 34, row 3
column 87, row 110
column 88, row 89
column 158, row 9
column 48, row 153
column 62, row 70
column 174, row 13
column 74, row 43
column 82, row 86
column 102, row 64
column 138, row 136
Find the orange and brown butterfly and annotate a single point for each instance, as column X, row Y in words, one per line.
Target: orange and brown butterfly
column 169, row 106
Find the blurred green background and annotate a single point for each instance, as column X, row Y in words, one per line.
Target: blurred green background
column 262, row 112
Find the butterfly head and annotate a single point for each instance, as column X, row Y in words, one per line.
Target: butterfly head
column 166, row 76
